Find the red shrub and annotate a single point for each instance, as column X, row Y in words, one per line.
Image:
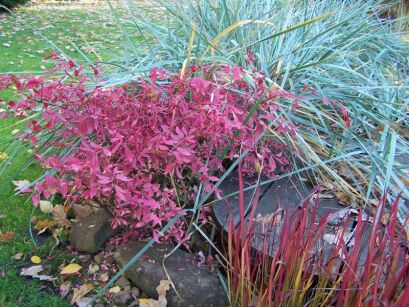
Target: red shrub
column 146, row 146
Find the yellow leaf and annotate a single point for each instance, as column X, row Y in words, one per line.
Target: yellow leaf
column 71, row 269
column 3, row 155
column 36, row 259
column 115, row 289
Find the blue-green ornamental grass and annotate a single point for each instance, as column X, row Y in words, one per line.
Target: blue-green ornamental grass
column 340, row 50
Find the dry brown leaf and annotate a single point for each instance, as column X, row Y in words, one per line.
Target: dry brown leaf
column 93, row 268
column 103, row 277
column 327, row 186
column 56, row 235
column 271, row 219
column 345, row 171
column 18, row 256
column 33, row 272
column 343, row 198
column 60, row 217
column 7, row 236
column 43, row 225
column 80, row 292
column 161, row 301
column 65, row 289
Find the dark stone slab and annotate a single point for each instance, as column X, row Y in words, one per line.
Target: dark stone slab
column 287, row 195
column 196, row 285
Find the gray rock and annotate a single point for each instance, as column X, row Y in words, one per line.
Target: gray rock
column 122, row 282
column 197, row 286
column 98, row 258
column 122, row 298
column 89, row 234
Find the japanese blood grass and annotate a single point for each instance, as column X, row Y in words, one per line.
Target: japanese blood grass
column 280, row 262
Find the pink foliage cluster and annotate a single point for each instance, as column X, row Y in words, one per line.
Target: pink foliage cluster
column 146, row 146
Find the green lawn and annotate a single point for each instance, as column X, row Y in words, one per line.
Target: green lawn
column 96, row 36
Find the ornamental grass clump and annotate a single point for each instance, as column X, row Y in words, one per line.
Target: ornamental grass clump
column 144, row 148
column 290, row 259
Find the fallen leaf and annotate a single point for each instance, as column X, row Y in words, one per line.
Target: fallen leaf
column 334, row 238
column 65, row 289
column 327, row 185
column 84, row 301
column 35, row 259
column 343, row 198
column 271, row 219
column 56, row 236
column 103, row 277
column 339, row 216
column 71, row 269
column 31, row 271
column 18, row 256
column 115, row 289
column 161, row 301
column 60, row 217
column 43, row 225
column 3, row 155
column 331, row 238
column 46, row 206
column 80, row 292
column 45, row 277
column 7, row 236
column 93, row 268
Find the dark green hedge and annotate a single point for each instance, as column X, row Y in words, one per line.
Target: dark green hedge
column 12, row 3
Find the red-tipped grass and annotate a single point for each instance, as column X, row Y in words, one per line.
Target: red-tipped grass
column 285, row 264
